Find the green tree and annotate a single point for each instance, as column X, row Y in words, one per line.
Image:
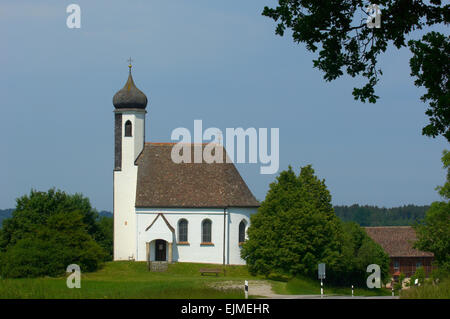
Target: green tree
column 32, row 211
column 104, row 236
column 359, row 252
column 444, row 191
column 430, row 64
column 434, row 233
column 296, row 228
column 47, row 232
column 61, row 242
column 338, row 29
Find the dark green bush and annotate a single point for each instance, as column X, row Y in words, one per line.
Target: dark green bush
column 48, row 232
column 296, row 228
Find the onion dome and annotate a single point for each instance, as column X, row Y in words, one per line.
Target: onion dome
column 130, row 97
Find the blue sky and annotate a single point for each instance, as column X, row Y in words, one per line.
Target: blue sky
column 218, row 61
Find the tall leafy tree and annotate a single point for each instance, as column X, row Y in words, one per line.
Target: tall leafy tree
column 434, row 233
column 33, row 211
column 296, row 228
column 338, row 29
column 430, row 64
column 62, row 241
column 47, row 232
column 359, row 252
column 444, row 190
column 105, row 235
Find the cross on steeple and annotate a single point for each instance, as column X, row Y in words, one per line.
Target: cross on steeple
column 129, row 62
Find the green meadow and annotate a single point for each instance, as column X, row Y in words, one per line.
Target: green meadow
column 131, row 280
column 428, row 291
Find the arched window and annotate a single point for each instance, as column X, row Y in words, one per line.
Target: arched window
column 128, row 128
column 242, row 225
column 183, row 230
column 206, row 231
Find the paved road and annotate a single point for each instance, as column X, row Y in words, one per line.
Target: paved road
column 264, row 289
column 329, row 297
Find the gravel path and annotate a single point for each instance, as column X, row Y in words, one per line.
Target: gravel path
column 258, row 288
column 261, row 288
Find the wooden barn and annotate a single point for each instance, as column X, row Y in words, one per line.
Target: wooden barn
column 398, row 242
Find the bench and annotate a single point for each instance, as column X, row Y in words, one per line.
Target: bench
column 210, row 271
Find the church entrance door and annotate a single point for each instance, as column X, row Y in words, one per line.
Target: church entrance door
column 160, row 246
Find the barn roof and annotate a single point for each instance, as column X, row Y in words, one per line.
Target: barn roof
column 164, row 183
column 397, row 241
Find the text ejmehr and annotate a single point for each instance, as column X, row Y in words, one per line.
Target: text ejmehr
column 230, row 309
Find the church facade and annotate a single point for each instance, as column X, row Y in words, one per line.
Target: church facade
column 167, row 211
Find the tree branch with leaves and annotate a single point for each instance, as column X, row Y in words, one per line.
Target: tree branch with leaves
column 338, row 30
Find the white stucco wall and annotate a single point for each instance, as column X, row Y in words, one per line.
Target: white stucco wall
column 194, row 251
column 236, row 216
column 130, row 235
column 125, row 187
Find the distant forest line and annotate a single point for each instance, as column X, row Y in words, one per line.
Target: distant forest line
column 376, row 216
column 362, row 215
column 7, row 213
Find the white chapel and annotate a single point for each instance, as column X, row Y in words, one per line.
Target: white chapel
column 164, row 211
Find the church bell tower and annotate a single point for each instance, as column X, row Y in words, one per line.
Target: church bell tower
column 129, row 137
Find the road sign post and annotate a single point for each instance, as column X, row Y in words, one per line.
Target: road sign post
column 246, row 289
column 321, row 277
column 321, row 288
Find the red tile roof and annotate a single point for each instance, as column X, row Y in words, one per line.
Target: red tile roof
column 163, row 183
column 397, row 241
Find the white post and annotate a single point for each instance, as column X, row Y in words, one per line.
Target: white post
column 321, row 288
column 352, row 290
column 246, row 289
column 392, row 289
